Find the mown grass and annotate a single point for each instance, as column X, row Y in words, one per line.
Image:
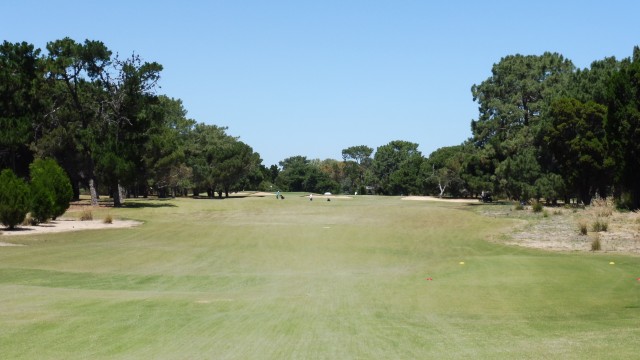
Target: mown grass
column 275, row 279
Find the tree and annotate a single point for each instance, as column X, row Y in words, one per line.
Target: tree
column 514, row 104
column 357, row 160
column 293, row 174
column 576, row 139
column 443, row 169
column 126, row 121
column 165, row 150
column 69, row 127
column 201, row 156
column 623, row 128
column 387, row 160
column 21, row 104
column 234, row 161
column 14, row 199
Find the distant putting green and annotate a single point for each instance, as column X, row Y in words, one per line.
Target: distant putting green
column 260, row 278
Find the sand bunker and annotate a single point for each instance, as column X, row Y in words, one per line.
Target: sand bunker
column 433, row 198
column 63, row 225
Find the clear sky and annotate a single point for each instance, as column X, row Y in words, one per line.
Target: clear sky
column 314, row 77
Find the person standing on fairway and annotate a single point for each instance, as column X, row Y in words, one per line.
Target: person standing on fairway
column 278, row 194
column 310, row 197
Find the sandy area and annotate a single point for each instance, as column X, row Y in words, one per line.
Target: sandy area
column 433, row 198
column 62, row 225
column 559, row 230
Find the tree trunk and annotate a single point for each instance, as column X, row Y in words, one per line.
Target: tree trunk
column 118, row 195
column 93, row 191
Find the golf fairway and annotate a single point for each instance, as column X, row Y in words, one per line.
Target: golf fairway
column 260, row 278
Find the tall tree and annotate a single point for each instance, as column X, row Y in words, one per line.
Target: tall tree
column 21, row 103
column 357, row 161
column 165, row 152
column 126, row 122
column 388, row 159
column 623, row 127
column 576, row 138
column 69, row 129
column 513, row 105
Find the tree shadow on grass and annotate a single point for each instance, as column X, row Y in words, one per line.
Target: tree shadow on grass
column 160, row 203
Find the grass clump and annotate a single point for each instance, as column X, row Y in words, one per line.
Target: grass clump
column 536, row 207
column 108, row 219
column 602, row 207
column 519, row 206
column 86, row 215
column 595, row 243
column 599, row 225
column 582, row 228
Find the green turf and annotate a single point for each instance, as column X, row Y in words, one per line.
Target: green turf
column 260, row 278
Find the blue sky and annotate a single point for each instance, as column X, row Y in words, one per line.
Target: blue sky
column 314, row 77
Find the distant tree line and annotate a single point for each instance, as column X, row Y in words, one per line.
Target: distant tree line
column 545, row 130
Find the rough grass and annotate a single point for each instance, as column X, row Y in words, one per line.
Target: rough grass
column 257, row 278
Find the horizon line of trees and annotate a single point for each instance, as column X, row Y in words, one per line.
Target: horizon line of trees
column 545, row 130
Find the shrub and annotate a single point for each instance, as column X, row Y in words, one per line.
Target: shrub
column 536, row 207
column 599, row 225
column 595, row 243
column 545, row 213
column 14, row 199
column 51, row 190
column 86, row 215
column 582, row 226
column 108, row 219
column 519, row 206
column 602, row 207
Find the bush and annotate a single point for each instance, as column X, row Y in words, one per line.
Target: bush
column 14, row 199
column 545, row 213
column 519, row 206
column 595, row 243
column 51, row 190
column 537, row 207
column 602, row 207
column 86, row 215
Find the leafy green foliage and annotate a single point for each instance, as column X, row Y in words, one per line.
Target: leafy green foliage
column 50, row 190
column 14, row 199
column 389, row 159
column 576, row 138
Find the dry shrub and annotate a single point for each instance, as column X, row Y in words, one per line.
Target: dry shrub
column 595, row 243
column 582, row 226
column 602, row 207
column 108, row 219
column 86, row 215
column 599, row 225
